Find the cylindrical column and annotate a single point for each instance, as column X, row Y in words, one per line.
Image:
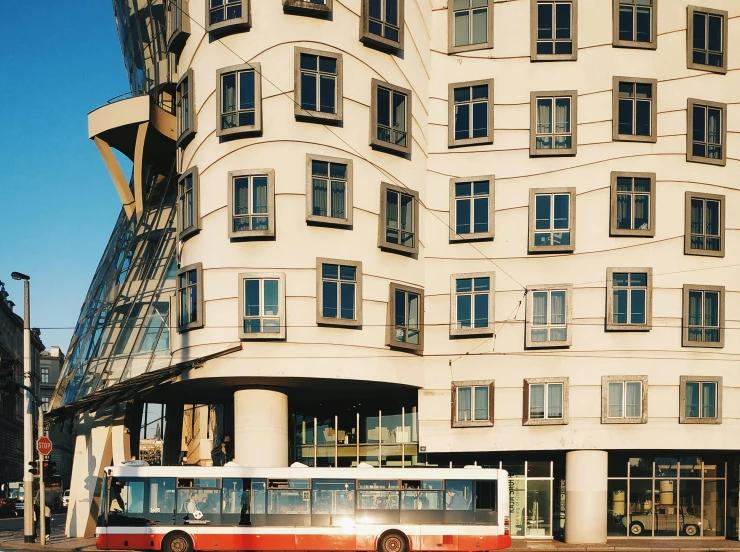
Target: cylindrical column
column 260, row 428
column 585, row 496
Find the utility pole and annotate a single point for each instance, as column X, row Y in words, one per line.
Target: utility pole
column 42, row 492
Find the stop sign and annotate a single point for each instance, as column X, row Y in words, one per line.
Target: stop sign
column 43, row 445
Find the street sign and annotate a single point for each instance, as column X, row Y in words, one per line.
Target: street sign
column 43, row 445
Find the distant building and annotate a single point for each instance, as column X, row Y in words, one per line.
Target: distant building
column 61, row 434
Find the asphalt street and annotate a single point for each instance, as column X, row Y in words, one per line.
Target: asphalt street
column 11, row 528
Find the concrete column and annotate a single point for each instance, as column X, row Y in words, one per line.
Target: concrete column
column 172, row 446
column 261, row 428
column 585, row 496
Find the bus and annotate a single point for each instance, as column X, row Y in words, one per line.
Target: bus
column 188, row 508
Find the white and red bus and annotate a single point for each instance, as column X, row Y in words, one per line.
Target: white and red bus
column 187, row 508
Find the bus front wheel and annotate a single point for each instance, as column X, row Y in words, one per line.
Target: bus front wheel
column 393, row 541
column 177, row 542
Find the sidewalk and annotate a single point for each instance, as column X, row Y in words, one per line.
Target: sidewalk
column 57, row 544
column 632, row 545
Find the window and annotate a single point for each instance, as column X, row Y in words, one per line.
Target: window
column 186, row 119
column 382, row 24
column 44, row 373
column 634, row 113
column 472, row 403
column 552, row 220
column 470, row 113
column 545, row 401
column 705, row 225
column 45, row 404
column 188, row 204
column 701, row 400
column 471, row 304
column 399, row 219
column 405, row 326
column 553, row 123
column 707, row 39
column 318, row 8
column 624, row 399
column 632, row 204
column 390, row 128
column 262, row 305
column 190, row 297
column 240, row 91
column 329, row 190
column 318, row 86
column 338, row 292
column 252, row 203
column 549, row 315
column 706, row 136
column 554, row 32
column 629, row 298
column 227, row 16
column 635, row 24
column 472, row 208
column 178, row 25
column 703, row 316
column 470, row 25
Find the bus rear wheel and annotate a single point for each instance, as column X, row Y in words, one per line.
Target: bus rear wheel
column 177, row 542
column 393, row 541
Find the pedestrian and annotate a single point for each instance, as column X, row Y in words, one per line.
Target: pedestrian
column 227, row 449
column 47, row 515
column 36, row 518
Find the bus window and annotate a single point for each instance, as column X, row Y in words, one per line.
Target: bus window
column 384, row 495
column 333, row 497
column 161, row 495
column 127, row 496
column 236, row 496
column 288, row 496
column 199, row 501
column 485, row 495
column 258, row 497
column 459, row 495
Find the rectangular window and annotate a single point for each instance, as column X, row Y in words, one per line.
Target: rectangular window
column 186, row 119
column 703, row 316
column 707, row 133
column 240, row 100
column 391, row 118
column 339, row 292
column 252, row 203
column 317, row 8
column 625, row 399
column 705, row 225
column 632, row 204
column 471, row 305
column 470, row 113
column 382, row 24
column 554, row 30
column 44, row 374
column 45, row 404
column 188, row 210
column 227, row 16
column 635, row 23
column 551, row 220
column 548, row 316
column 262, row 305
column 472, row 403
column 701, row 400
column 634, row 109
column 318, row 85
column 553, row 123
column 629, row 298
column 329, row 190
column 472, row 208
column 545, row 401
column 470, row 25
column 178, row 25
column 406, row 318
column 190, row 297
column 707, row 39
column 399, row 219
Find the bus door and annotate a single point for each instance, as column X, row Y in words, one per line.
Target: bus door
column 422, row 506
column 199, row 505
column 125, row 508
column 332, row 506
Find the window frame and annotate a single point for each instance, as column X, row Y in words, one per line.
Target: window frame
column 528, row 343
column 304, row 7
column 317, row 116
column 455, row 385
column 247, row 130
column 527, row 420
column 682, row 417
column 199, row 321
column 349, row 207
column 610, row 324
column 640, row 45
column 653, row 136
column 533, row 193
column 687, row 288
column 228, row 26
column 375, row 143
column 263, row 336
column 613, row 230
column 690, row 10
column 185, row 136
column 605, row 381
column 453, row 142
column 322, row 320
column 553, row 152
column 688, row 250
column 252, row 234
column 397, row 247
column 177, row 34
column 690, row 157
column 380, row 42
column 534, row 56
column 184, row 233
column 474, row 236
column 473, row 332
column 451, row 48
column 390, row 341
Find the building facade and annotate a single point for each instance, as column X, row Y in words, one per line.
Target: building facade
column 355, row 223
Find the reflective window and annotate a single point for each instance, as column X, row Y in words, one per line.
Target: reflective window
column 635, row 20
column 392, row 117
column 238, row 98
column 329, row 189
column 338, row 291
column 634, row 109
column 161, row 495
column 471, row 112
column 472, row 207
column 333, row 497
column 472, row 296
column 630, row 292
column 318, row 83
column 261, row 305
column 459, row 495
column 552, row 219
column 633, row 203
column 470, row 22
column 708, row 40
column 400, row 223
column 406, row 309
column 554, row 28
column 704, row 324
column 223, row 10
column 250, row 203
column 706, row 132
column 384, row 19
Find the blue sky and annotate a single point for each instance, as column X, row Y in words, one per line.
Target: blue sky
column 57, row 201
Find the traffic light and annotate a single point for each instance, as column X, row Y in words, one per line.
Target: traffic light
column 34, row 470
column 7, row 381
column 49, row 469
